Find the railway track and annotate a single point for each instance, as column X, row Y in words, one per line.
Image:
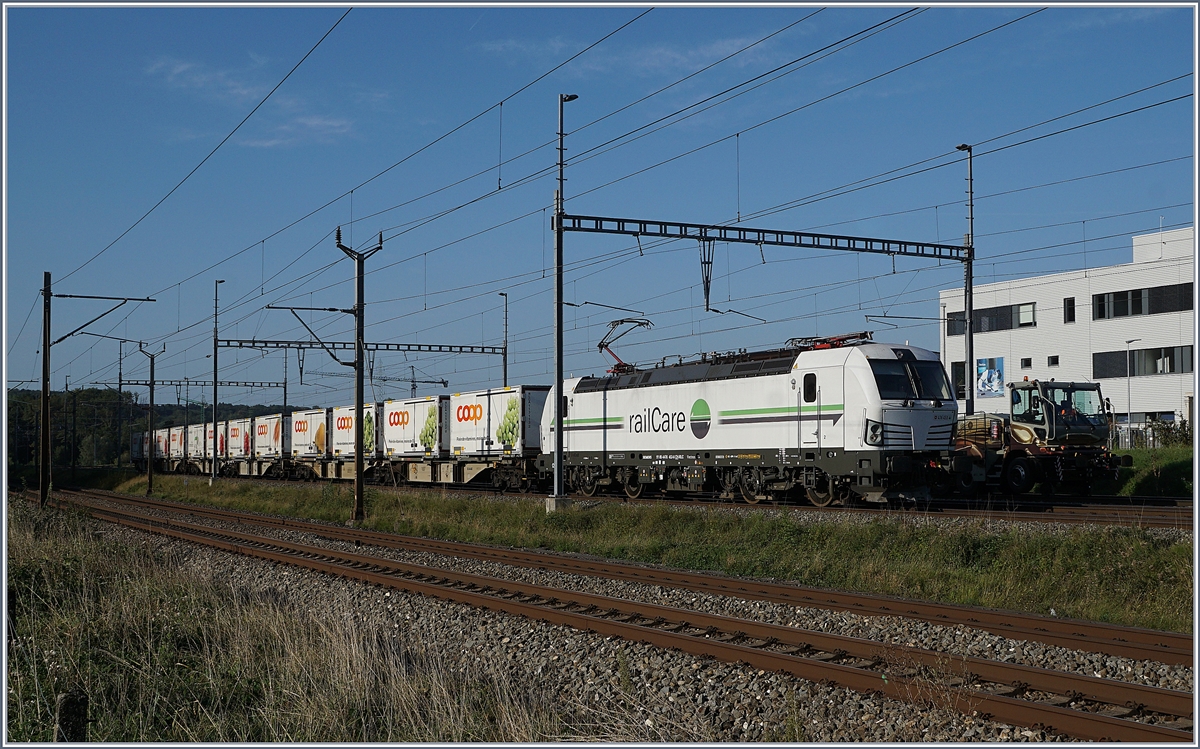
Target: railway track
column 1081, row 706
column 1141, row 512
column 1130, row 642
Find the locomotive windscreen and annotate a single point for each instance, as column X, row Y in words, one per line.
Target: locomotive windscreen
column 910, row 379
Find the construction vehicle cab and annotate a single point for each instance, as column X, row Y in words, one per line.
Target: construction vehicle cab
column 1055, row 433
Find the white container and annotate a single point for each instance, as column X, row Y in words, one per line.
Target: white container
column 196, row 446
column 222, row 431
column 418, row 427
column 241, row 438
column 343, row 431
column 272, row 436
column 178, row 441
column 497, row 422
column 139, row 443
column 162, row 443
column 310, row 433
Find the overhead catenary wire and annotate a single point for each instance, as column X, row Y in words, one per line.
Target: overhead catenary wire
column 1013, row 144
column 210, row 154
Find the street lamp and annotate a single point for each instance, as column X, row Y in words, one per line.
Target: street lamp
column 1129, row 391
column 560, row 397
column 213, row 478
column 505, row 357
column 969, row 283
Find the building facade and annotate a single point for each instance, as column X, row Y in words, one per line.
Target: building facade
column 1130, row 327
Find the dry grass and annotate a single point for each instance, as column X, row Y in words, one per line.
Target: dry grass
column 166, row 656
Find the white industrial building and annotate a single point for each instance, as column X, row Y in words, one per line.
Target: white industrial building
column 1077, row 326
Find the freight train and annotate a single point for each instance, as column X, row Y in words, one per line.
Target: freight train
column 835, row 420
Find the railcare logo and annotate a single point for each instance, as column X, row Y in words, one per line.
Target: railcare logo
column 701, row 418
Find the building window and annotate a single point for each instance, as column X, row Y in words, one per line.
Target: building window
column 1027, row 364
column 1069, row 310
column 990, row 319
column 1025, row 315
column 1142, row 302
column 1141, row 362
column 1170, row 360
column 1051, row 361
column 958, row 375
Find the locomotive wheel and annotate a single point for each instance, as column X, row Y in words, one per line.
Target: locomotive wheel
column 822, row 497
column 587, row 484
column 1018, row 476
column 752, row 487
column 633, row 487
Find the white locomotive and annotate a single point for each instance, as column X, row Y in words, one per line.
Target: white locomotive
column 842, row 418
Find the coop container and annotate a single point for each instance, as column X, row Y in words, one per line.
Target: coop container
column 272, row 436
column 177, row 440
column 162, row 443
column 497, row 422
column 310, row 433
column 196, row 445
column 417, row 427
column 241, row 438
column 343, row 431
column 222, row 432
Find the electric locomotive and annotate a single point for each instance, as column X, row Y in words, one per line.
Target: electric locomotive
column 841, row 419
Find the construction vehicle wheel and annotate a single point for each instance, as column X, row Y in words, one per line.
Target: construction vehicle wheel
column 1018, row 476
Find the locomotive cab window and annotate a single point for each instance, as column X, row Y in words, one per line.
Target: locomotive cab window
column 903, row 380
column 810, row 387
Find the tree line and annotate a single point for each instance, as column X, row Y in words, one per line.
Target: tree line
column 94, row 426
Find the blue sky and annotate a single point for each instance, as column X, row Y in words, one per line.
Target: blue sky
column 109, row 108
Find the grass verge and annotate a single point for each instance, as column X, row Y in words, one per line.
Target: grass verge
column 164, row 655
column 1157, row 472
column 1121, row 575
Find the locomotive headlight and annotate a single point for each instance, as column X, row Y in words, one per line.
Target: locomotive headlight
column 874, row 434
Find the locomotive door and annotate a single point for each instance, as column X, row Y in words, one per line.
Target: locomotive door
column 808, row 412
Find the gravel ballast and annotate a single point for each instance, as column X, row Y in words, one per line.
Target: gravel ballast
column 648, row 693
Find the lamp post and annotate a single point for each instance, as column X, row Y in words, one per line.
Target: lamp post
column 1129, row 391
column 560, row 396
column 216, row 287
column 505, row 357
column 969, row 282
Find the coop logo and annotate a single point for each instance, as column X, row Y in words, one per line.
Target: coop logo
column 262, row 430
column 472, row 412
column 343, row 423
column 701, row 418
column 301, row 426
column 398, row 419
column 233, row 433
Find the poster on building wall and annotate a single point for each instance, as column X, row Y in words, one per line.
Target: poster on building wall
column 989, row 378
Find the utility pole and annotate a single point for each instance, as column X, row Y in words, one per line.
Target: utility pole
column 150, row 421
column 560, row 397
column 213, row 478
column 505, row 355
column 44, row 472
column 969, row 283
column 74, row 433
column 120, row 397
column 44, row 448
column 359, row 259
column 285, row 357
